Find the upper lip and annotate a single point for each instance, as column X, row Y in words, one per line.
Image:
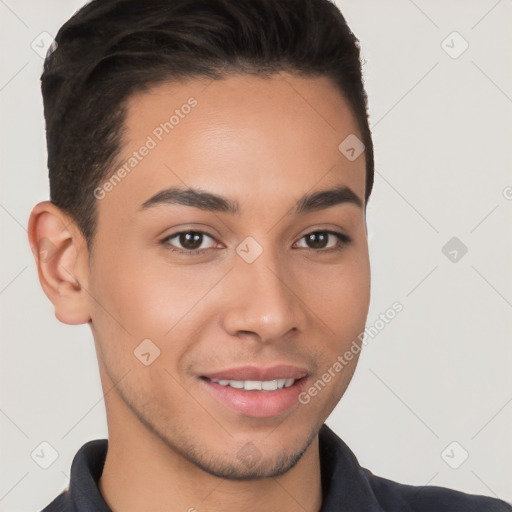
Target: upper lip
column 259, row 373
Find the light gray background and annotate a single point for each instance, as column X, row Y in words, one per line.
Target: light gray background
column 438, row 373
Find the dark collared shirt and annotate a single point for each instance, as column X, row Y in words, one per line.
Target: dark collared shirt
column 346, row 486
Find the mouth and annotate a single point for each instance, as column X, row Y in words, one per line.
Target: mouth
column 257, row 392
column 258, row 385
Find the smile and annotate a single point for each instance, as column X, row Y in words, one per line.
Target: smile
column 258, row 392
column 258, row 385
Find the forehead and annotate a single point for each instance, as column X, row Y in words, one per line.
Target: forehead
column 245, row 136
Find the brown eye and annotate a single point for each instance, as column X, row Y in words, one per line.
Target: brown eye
column 189, row 241
column 318, row 240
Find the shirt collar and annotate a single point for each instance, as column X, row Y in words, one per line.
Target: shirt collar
column 345, row 484
column 86, row 471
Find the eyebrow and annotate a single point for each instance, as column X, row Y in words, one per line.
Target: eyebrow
column 196, row 198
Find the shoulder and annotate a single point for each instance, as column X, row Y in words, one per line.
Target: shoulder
column 394, row 496
column 61, row 503
column 345, row 482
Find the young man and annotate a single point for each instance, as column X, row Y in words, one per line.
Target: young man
column 210, row 165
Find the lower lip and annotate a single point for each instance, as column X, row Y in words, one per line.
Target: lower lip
column 258, row 404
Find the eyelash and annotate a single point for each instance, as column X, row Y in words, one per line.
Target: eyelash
column 343, row 240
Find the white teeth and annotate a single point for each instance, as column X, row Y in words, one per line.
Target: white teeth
column 259, row 385
column 288, row 382
column 249, row 385
column 269, row 385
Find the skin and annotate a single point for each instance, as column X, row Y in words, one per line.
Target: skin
column 264, row 142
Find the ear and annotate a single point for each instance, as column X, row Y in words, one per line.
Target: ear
column 62, row 260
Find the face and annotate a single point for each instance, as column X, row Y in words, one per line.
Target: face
column 230, row 269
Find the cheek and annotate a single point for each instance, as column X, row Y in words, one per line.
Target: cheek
column 351, row 298
column 342, row 300
column 145, row 293
column 167, row 297
column 340, row 295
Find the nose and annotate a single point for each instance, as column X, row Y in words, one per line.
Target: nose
column 262, row 300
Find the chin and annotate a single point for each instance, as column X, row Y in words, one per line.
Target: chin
column 246, row 463
column 251, row 466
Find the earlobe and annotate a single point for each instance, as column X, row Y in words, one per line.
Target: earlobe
column 61, row 256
